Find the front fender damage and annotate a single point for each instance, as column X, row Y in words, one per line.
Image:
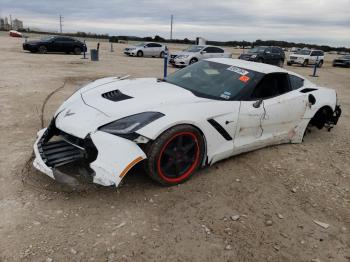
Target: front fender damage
column 116, row 156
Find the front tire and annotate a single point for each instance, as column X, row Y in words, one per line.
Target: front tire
column 162, row 54
column 77, row 50
column 176, row 155
column 193, row 60
column 305, row 63
column 139, row 53
column 42, row 49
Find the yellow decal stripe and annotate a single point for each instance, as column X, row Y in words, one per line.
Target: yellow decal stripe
column 128, row 167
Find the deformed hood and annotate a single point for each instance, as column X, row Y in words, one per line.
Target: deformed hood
column 106, row 100
column 137, row 95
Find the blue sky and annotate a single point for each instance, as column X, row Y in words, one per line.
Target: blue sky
column 311, row 21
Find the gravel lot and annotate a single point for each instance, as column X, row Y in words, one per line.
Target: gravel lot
column 258, row 206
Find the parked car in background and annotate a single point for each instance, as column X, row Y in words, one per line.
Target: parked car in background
column 343, row 61
column 148, row 49
column 196, row 53
column 343, row 53
column 265, row 54
column 14, row 33
column 57, row 44
column 307, row 57
column 295, row 49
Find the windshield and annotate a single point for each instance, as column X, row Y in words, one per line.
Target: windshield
column 258, row 49
column 194, row 48
column 304, row 52
column 47, row 38
column 213, row 80
column 141, row 44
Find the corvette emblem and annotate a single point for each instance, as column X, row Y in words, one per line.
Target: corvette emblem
column 69, row 113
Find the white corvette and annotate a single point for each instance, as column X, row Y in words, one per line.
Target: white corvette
column 197, row 116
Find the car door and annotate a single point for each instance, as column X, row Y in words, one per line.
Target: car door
column 313, row 57
column 276, row 55
column 217, row 52
column 63, row 44
column 268, row 56
column 272, row 116
column 284, row 109
column 206, row 53
column 148, row 50
column 157, row 49
column 52, row 45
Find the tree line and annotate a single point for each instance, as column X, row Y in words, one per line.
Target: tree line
column 157, row 38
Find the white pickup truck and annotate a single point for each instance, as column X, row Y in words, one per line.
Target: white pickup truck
column 195, row 53
column 306, row 57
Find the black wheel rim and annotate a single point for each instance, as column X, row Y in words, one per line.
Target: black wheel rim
column 179, row 157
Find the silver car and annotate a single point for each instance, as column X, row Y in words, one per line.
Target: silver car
column 149, row 49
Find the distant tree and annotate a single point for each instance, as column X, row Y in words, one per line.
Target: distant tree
column 157, row 38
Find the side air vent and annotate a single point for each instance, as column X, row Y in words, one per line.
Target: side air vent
column 307, row 90
column 115, row 96
column 220, row 129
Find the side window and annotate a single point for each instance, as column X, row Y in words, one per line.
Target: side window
column 217, row 50
column 296, row 82
column 148, row 45
column 268, row 50
column 157, row 45
column 64, row 39
column 209, row 50
column 271, row 85
column 276, row 50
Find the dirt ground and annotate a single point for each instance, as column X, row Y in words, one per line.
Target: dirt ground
column 277, row 192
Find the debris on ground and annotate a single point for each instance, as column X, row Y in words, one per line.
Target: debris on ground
column 321, row 224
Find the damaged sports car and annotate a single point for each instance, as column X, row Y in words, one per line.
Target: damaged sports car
column 204, row 113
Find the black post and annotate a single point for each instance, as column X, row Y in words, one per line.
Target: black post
column 166, row 62
column 84, row 53
column 315, row 68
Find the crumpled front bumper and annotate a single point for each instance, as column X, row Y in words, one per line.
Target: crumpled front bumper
column 108, row 157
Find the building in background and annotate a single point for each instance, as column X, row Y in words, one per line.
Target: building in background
column 17, row 24
column 13, row 25
column 2, row 24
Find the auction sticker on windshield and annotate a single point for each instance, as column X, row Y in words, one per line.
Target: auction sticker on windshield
column 238, row 70
column 244, row 79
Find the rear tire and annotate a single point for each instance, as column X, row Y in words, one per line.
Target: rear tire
column 289, row 63
column 175, row 155
column 139, row 53
column 42, row 49
column 305, row 63
column 162, row 54
column 77, row 50
column 320, row 64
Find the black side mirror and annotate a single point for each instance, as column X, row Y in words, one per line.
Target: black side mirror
column 312, row 99
column 258, row 103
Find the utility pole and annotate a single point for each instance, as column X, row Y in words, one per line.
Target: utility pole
column 61, row 21
column 171, row 27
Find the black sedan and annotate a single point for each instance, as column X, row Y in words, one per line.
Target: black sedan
column 343, row 61
column 57, row 44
